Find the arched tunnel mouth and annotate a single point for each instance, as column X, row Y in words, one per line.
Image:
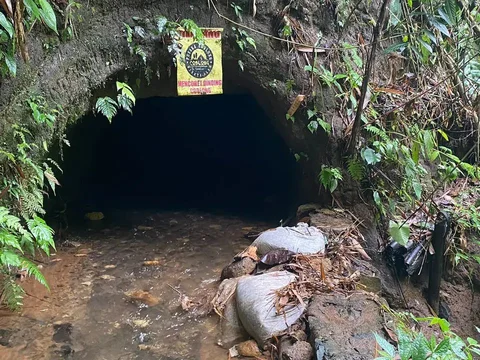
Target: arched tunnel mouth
column 212, row 153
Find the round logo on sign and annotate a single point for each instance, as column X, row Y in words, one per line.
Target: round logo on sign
column 199, row 60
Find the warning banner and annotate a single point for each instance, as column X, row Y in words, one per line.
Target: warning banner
column 199, row 67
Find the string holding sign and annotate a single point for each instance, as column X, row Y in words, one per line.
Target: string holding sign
column 199, row 67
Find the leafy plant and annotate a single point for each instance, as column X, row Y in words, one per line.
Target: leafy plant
column 22, row 231
column 41, row 112
column 413, row 344
column 243, row 39
column 329, row 178
column 317, row 121
column 238, row 10
column 35, row 11
column 125, row 100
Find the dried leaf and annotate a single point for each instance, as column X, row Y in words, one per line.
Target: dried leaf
column 295, row 105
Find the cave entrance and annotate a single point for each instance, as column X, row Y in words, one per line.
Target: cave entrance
column 213, row 153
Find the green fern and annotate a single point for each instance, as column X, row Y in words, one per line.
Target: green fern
column 356, row 169
column 329, row 178
column 379, row 132
column 107, row 107
column 12, row 293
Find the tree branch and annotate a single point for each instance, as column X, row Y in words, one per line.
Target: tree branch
column 366, row 77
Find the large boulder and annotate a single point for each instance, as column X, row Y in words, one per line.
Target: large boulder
column 342, row 327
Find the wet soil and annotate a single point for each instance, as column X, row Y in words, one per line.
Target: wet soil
column 87, row 314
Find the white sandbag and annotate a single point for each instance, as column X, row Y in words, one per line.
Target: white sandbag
column 255, row 296
column 301, row 239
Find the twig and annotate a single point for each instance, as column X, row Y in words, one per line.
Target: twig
column 366, row 78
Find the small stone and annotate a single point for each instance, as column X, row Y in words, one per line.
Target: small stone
column 144, row 228
column 249, row 348
column 239, row 268
column 173, row 222
column 107, row 277
column 141, row 323
column 151, row 263
column 301, row 350
column 143, row 296
column 81, row 255
column 110, row 266
column 87, row 283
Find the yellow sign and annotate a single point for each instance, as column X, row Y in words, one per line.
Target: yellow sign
column 199, row 67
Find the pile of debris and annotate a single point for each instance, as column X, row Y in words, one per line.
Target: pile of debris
column 265, row 291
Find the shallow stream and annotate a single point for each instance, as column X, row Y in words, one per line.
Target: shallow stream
column 87, row 314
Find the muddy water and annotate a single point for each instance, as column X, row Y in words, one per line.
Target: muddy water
column 87, row 314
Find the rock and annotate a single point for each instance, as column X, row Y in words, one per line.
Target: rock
column 144, row 228
column 173, row 222
column 110, row 266
column 255, row 297
column 342, row 327
column 301, row 239
column 151, row 263
column 94, row 216
column 143, row 296
column 248, row 348
column 306, row 209
column 300, row 350
column 239, row 268
column 107, row 277
column 141, row 323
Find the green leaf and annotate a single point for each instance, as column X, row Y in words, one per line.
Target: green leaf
column 11, row 64
column 385, row 345
column 126, row 90
column 48, row 15
column 417, row 188
column 312, row 126
column 7, row 25
column 311, row 113
column 443, row 133
column 325, row 125
column 370, row 156
column 399, row 233
column 251, row 41
column 405, row 348
column 420, row 348
column 7, row 239
column 443, row 348
column 32, row 8
column 107, row 107
column 439, row 26
column 451, row 9
column 416, row 152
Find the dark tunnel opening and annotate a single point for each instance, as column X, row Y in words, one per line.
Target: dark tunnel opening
column 214, row 153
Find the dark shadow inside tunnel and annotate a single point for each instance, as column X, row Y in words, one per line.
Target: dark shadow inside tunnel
column 215, row 153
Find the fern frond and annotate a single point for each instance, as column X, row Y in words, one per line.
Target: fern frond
column 54, row 163
column 9, row 240
column 42, row 232
column 137, row 50
column 107, row 107
column 378, row 132
column 11, row 293
column 356, row 169
column 32, row 270
column 124, row 102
